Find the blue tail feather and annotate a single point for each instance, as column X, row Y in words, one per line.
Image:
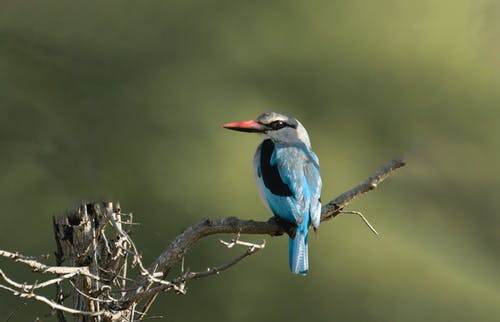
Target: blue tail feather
column 298, row 253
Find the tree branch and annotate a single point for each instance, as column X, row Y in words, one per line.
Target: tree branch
column 42, row 268
column 333, row 208
column 26, row 291
column 252, row 249
column 176, row 250
column 98, row 265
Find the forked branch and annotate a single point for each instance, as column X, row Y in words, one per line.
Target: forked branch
column 178, row 247
column 100, row 256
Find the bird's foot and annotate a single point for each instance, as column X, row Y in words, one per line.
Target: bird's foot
column 289, row 228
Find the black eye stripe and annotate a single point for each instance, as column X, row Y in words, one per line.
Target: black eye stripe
column 276, row 125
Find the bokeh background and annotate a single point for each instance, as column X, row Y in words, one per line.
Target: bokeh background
column 124, row 100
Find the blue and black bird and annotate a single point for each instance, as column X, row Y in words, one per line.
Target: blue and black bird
column 288, row 179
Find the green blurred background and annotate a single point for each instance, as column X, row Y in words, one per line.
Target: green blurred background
column 124, row 100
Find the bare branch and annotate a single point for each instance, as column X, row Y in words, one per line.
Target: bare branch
column 52, row 304
column 332, row 208
column 237, row 241
column 31, row 287
column 99, row 264
column 147, row 306
column 183, row 242
column 252, row 249
column 42, row 268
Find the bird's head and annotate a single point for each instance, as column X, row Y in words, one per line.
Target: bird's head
column 276, row 126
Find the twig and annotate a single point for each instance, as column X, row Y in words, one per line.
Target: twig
column 252, row 249
column 31, row 287
column 147, row 306
column 42, row 268
column 237, row 241
column 357, row 213
column 54, row 305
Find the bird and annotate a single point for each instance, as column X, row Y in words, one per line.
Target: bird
column 288, row 179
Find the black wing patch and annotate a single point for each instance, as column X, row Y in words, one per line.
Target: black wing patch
column 270, row 174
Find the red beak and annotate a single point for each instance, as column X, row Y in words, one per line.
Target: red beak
column 246, row 126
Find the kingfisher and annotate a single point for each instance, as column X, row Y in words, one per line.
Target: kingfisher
column 288, row 179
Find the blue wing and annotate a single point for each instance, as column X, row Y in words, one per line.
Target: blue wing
column 313, row 178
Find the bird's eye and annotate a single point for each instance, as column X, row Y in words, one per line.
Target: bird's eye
column 276, row 125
